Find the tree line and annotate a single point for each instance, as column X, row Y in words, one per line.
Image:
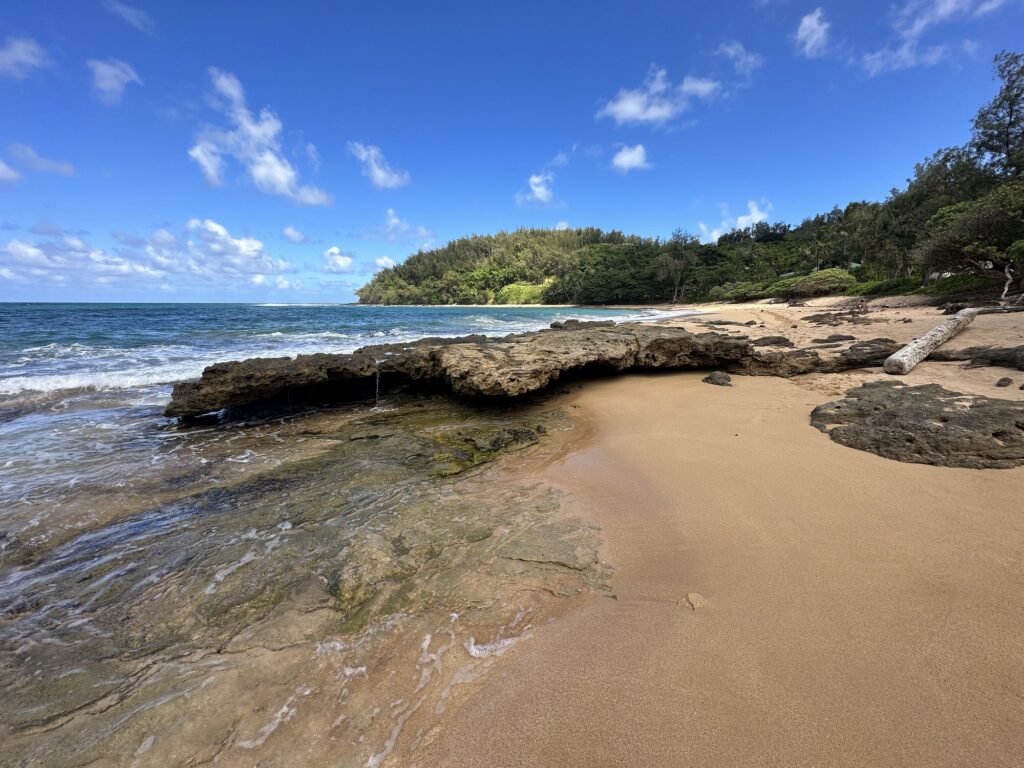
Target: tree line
column 958, row 224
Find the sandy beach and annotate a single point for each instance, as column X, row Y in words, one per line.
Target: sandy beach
column 777, row 599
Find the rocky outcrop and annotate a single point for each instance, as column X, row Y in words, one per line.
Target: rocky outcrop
column 484, row 367
column 470, row 366
column 926, row 425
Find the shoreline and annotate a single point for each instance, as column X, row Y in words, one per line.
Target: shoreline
column 807, row 606
column 780, row 599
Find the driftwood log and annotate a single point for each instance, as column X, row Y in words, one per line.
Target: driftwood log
column 902, row 362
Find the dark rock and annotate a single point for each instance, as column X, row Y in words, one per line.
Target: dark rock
column 867, row 353
column 833, row 337
column 576, row 325
column 773, row 341
column 953, row 308
column 926, row 425
column 751, row 322
column 718, row 378
column 835, row 345
column 1004, row 382
column 726, row 322
column 1007, row 357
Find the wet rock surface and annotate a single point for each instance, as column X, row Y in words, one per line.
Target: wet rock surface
column 327, row 597
column 926, row 425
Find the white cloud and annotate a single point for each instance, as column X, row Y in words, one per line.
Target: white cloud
column 743, row 61
column 914, row 17
column 136, row 17
column 337, row 262
column 540, row 189
column 812, row 34
column 110, row 77
column 911, row 21
column 701, row 87
column 905, row 56
column 656, row 101
column 229, row 255
column 397, row 230
column 376, row 168
column 30, row 159
column 313, row 155
column 206, row 254
column 561, row 159
column 293, row 235
column 630, row 159
column 255, row 143
column 21, row 56
column 756, row 213
column 383, row 262
column 562, row 225
column 8, row 174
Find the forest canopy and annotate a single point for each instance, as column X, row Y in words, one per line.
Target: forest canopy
column 959, row 221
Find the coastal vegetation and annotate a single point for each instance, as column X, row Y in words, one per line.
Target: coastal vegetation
column 957, row 226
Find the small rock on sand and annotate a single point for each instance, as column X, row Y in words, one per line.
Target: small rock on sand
column 718, row 378
column 1004, row 382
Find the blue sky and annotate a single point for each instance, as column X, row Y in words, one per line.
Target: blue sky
column 225, row 151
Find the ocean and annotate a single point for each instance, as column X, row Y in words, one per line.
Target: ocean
column 133, row 549
column 82, row 386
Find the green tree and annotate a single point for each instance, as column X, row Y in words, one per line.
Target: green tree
column 999, row 125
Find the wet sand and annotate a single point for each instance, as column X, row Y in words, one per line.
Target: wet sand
column 779, row 599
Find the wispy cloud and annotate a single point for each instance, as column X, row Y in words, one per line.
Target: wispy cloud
column 253, row 142
column 812, row 35
column 383, row 262
column 630, row 159
column 30, row 159
column 657, row 100
column 376, row 168
column 8, row 174
column 313, row 155
column 136, row 17
column 110, row 77
column 743, row 61
column 21, row 56
column 397, row 230
column 292, row 235
column 912, row 21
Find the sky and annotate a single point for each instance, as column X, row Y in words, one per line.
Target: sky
column 258, row 152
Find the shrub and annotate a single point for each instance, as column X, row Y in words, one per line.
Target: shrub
column 823, row 283
column 963, row 283
column 892, row 287
column 521, row 293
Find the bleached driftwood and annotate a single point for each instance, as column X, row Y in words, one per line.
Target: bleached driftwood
column 903, row 362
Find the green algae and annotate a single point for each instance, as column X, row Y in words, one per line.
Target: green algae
column 362, row 516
